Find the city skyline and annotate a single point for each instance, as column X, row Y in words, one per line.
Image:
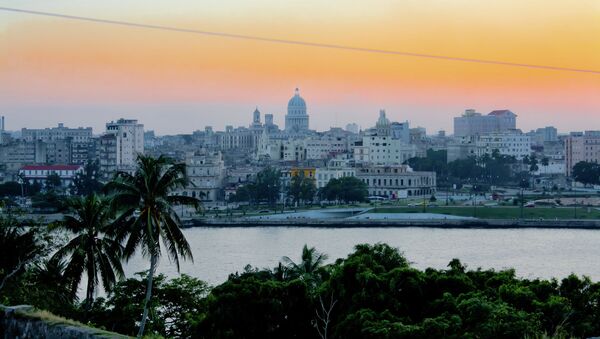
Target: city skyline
column 279, row 120
column 82, row 73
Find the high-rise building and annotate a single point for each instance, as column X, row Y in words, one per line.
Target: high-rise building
column 296, row 120
column 472, row 123
column 122, row 143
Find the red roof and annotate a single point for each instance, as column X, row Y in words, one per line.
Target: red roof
column 51, row 167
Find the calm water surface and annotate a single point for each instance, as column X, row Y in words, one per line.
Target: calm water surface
column 543, row 253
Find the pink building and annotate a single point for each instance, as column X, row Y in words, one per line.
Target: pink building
column 581, row 147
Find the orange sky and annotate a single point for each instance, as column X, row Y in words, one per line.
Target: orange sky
column 74, row 70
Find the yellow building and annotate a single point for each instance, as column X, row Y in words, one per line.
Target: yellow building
column 308, row 172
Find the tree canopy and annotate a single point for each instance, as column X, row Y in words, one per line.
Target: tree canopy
column 587, row 173
column 346, row 189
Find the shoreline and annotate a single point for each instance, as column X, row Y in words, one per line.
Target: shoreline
column 425, row 223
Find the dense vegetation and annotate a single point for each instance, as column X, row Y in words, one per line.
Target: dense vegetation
column 488, row 169
column 345, row 189
column 587, row 173
column 265, row 189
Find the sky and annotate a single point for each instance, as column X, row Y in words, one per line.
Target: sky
column 84, row 74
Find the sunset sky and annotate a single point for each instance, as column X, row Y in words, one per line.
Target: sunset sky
column 84, row 74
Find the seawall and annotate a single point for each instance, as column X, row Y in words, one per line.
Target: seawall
column 436, row 223
column 23, row 323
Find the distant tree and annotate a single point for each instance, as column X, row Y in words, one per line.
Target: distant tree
column 533, row 164
column 346, row 189
column 10, row 188
column 464, row 169
column 87, row 182
column 268, row 185
column 53, row 182
column 242, row 194
column 587, row 173
column 434, row 161
column 301, row 188
column 545, row 161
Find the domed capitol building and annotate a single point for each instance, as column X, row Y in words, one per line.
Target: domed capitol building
column 296, row 119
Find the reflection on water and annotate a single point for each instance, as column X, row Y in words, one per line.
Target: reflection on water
column 543, row 253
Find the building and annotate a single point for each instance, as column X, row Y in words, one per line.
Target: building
column 288, row 173
column 382, row 126
column 325, row 147
column 39, row 173
column 17, row 154
column 236, row 138
column 542, row 135
column 383, row 150
column 296, row 120
column 121, row 144
column 581, row 146
column 510, row 143
column 400, row 131
column 472, row 123
column 206, row 172
column 108, row 154
column 397, row 182
column 352, row 128
column 60, row 132
column 461, row 148
column 58, row 151
column 335, row 169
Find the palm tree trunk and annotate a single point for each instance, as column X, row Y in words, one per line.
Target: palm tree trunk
column 153, row 260
column 89, row 294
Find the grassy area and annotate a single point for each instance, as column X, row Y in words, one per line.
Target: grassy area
column 501, row 212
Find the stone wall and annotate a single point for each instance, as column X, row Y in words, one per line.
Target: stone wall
column 18, row 322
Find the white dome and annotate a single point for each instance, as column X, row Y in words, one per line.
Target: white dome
column 296, row 102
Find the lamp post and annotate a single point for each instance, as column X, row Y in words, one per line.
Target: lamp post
column 522, row 201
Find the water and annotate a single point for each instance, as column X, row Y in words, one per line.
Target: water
column 534, row 253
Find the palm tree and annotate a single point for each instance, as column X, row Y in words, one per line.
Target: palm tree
column 545, row 162
column 145, row 202
column 93, row 250
column 19, row 247
column 309, row 267
column 52, row 285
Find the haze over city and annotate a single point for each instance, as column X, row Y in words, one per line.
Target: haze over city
column 85, row 73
